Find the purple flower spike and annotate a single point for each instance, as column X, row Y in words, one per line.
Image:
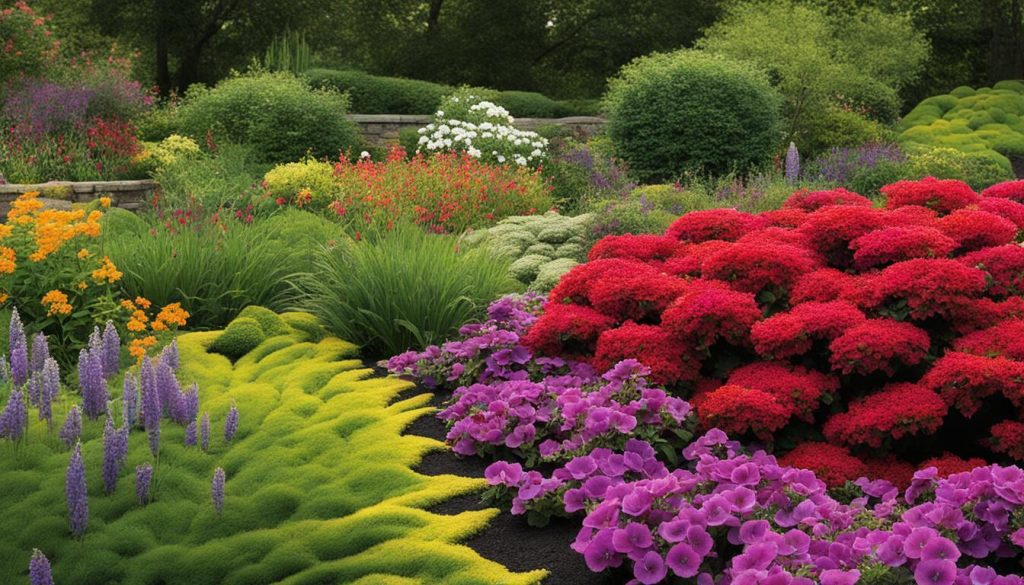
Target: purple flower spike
column 75, row 490
column 190, row 434
column 204, row 432
column 90, row 379
column 96, row 340
column 150, row 406
column 34, row 383
column 170, row 393
column 14, row 420
column 792, row 164
column 19, row 350
column 217, row 490
column 111, row 456
column 192, row 402
column 72, row 428
column 231, row 423
column 40, row 352
column 111, row 351
column 169, row 355
column 39, row 569
column 49, row 386
column 130, row 401
column 143, row 477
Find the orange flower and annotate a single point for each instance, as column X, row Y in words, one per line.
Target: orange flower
column 107, row 272
column 159, row 326
column 173, row 314
column 126, row 304
column 142, row 302
column 104, row 201
column 5, row 231
column 82, row 285
column 56, row 303
column 83, row 254
column 137, row 348
column 8, row 260
column 3, row 297
column 23, row 207
column 135, row 325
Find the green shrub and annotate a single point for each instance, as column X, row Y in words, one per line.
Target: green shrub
column 277, row 113
column 868, row 97
column 157, row 123
column 241, row 336
column 529, row 104
column 226, row 178
column 978, row 169
column 373, row 94
column 834, row 127
column 550, row 273
column 408, row 289
column 312, row 178
column 270, row 322
column 669, row 113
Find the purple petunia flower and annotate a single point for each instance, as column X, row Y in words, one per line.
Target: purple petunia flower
column 650, row 568
column 231, row 423
column 143, row 477
column 39, row 569
column 111, row 351
column 94, row 388
column 72, row 428
column 130, row 401
column 18, row 345
column 204, row 432
column 937, row 571
column 40, row 352
column 75, row 490
column 217, row 490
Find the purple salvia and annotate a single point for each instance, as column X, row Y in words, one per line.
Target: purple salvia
column 217, row 490
column 40, row 352
column 111, row 351
column 39, row 569
column 231, row 423
column 19, row 350
column 191, row 402
column 190, row 434
column 49, row 389
column 111, row 456
column 72, row 428
column 130, row 401
column 171, row 400
column 147, row 387
column 34, row 384
column 792, row 164
column 15, row 416
column 143, row 477
column 169, row 355
column 90, row 379
column 75, row 490
column 204, row 432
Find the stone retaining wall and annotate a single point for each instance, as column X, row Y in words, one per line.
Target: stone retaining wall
column 383, row 129
column 131, row 195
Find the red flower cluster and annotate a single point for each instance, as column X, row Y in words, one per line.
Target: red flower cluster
column 943, row 196
column 947, row 464
column 830, row 463
column 828, row 317
column 1008, row 437
column 1009, row 190
column 893, row 412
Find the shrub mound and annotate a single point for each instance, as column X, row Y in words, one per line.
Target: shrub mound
column 894, row 334
column 689, row 111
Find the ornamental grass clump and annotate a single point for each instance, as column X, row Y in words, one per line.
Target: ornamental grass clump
column 897, row 330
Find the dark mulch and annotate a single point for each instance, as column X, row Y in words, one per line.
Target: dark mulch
column 508, row 539
column 1018, row 166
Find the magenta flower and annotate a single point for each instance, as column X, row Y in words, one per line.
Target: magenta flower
column 600, row 554
column 939, row 572
column 940, row 548
column 650, row 569
column 633, row 540
column 683, row 560
column 75, row 491
column 837, row 577
column 39, row 569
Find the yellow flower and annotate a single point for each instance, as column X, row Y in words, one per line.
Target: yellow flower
column 5, row 231
column 106, row 272
column 126, row 304
column 82, row 285
column 23, row 207
column 8, row 260
column 3, row 297
column 56, row 303
column 83, row 254
column 104, row 201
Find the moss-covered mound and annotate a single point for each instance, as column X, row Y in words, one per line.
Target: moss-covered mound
column 987, row 122
column 320, row 487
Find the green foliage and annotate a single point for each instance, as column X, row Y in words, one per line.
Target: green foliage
column 311, row 177
column 530, row 104
column 216, row 272
column 276, row 113
column 373, row 94
column 288, row 52
column 978, row 169
column 690, row 111
column 270, row 322
column 985, row 121
column 833, row 127
column 320, row 484
column 241, row 336
column 225, row 178
column 406, row 289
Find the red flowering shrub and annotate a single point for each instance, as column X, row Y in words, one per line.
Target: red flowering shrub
column 893, row 412
column 943, row 196
column 973, row 229
column 947, row 464
column 708, row 312
column 964, row 380
column 814, row 200
column 739, row 411
column 669, row 359
column 1008, row 438
column 754, row 268
column 878, row 345
column 1009, row 190
column 830, row 463
column 712, row 224
column 644, row 247
column 886, row 246
column 896, row 334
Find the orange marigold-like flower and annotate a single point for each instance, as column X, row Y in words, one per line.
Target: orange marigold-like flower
column 83, row 254
column 56, row 303
column 137, row 348
column 5, row 231
column 82, row 285
column 173, row 314
column 3, row 297
column 128, row 305
column 23, row 207
column 8, row 260
column 106, row 272
column 105, row 202
column 135, row 325
column 159, row 326
column 142, row 302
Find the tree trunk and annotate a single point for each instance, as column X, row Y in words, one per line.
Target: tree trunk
column 163, row 70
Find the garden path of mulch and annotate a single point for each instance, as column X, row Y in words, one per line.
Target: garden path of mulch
column 508, row 539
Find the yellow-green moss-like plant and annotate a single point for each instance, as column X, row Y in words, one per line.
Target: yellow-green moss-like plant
column 241, row 336
column 320, row 486
column 987, row 121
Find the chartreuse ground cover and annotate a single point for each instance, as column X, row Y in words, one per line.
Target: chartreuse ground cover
column 320, row 486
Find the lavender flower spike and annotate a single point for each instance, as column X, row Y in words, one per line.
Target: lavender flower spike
column 75, row 490
column 114, row 452
column 150, row 406
column 72, row 428
column 170, row 393
column 19, row 350
column 14, row 420
column 49, row 388
column 190, row 434
column 40, row 352
column 204, row 431
column 231, row 423
column 143, row 477
column 39, row 569
column 792, row 164
column 111, row 351
column 191, row 402
column 217, row 490
column 169, row 355
column 94, row 388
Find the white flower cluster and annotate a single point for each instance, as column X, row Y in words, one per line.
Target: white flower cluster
column 488, row 135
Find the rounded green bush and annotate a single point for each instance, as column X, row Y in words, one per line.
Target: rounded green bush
column 276, row 113
column 669, row 113
column 242, row 335
column 270, row 322
column 526, row 268
column 529, row 104
column 550, row 273
column 374, row 94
